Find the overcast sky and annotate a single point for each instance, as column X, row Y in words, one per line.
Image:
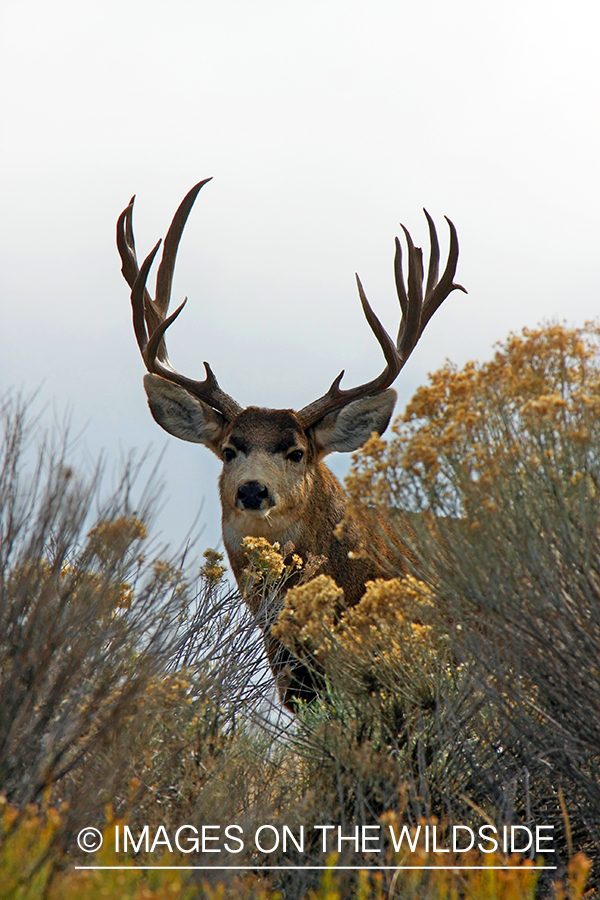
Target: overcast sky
column 324, row 125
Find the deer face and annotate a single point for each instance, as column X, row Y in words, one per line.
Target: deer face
column 267, row 470
column 269, row 458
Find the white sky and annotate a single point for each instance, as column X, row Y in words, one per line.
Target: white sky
column 324, row 124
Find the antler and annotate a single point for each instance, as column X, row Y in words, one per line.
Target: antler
column 416, row 309
column 150, row 320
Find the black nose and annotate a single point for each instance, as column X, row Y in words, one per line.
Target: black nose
column 251, row 494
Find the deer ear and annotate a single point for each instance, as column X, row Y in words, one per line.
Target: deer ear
column 183, row 415
column 351, row 426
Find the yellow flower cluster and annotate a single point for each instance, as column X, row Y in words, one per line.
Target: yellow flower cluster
column 547, row 406
column 385, row 630
column 384, row 624
column 112, row 539
column 213, row 569
column 268, row 569
column 534, row 403
column 308, row 614
column 265, row 558
column 387, row 603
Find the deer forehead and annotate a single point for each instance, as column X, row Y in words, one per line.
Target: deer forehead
column 270, row 430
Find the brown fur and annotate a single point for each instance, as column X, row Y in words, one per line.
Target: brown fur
column 315, row 536
column 274, row 483
column 311, row 501
column 303, row 501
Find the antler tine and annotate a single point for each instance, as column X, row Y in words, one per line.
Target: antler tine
column 408, row 333
column 126, row 245
column 400, row 288
column 434, row 256
column 416, row 311
column 150, row 321
column 164, row 277
column 140, row 307
column 437, row 293
column 129, row 267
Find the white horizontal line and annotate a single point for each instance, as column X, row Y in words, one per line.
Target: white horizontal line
column 326, row 868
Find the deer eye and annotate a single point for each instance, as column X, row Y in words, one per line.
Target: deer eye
column 295, row 456
column 229, row 454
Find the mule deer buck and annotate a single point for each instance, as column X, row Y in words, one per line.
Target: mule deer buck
column 274, row 483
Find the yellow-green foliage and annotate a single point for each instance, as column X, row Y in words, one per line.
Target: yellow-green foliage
column 31, row 869
column 26, row 850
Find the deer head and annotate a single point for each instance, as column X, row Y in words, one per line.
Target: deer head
column 273, row 482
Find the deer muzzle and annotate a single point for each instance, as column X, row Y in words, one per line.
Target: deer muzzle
column 253, row 495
